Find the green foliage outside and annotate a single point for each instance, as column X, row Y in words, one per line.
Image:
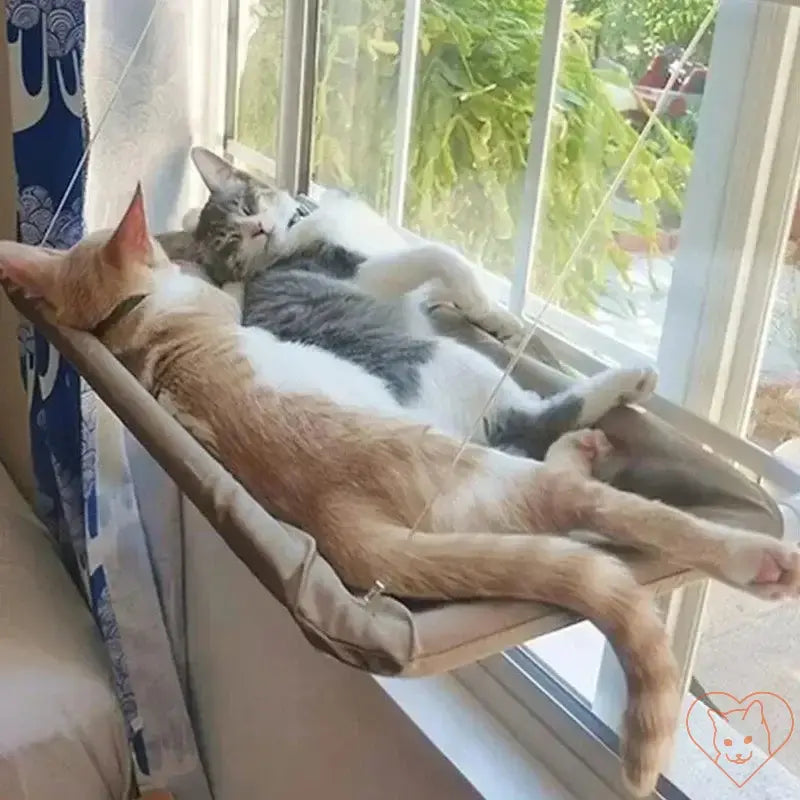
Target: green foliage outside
column 633, row 31
column 476, row 83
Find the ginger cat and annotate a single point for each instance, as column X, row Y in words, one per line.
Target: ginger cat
column 356, row 480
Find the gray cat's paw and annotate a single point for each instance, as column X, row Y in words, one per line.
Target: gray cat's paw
column 637, row 384
column 501, row 324
column 465, row 293
column 615, row 387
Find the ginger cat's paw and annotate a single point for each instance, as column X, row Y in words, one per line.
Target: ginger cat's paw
column 580, row 450
column 764, row 567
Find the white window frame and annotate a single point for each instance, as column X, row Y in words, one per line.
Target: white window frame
column 404, row 117
column 745, row 191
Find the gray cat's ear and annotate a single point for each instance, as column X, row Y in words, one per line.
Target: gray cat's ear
column 215, row 171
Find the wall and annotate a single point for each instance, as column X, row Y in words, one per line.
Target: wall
column 14, row 444
column 280, row 720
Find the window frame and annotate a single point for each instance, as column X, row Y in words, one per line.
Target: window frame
column 404, row 115
column 704, row 392
column 552, row 723
column 298, row 82
column 534, row 183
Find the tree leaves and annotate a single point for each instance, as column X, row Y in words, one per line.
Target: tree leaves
column 476, row 85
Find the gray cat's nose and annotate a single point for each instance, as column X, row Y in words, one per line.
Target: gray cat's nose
column 255, row 228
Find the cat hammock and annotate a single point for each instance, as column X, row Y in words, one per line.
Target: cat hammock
column 386, row 636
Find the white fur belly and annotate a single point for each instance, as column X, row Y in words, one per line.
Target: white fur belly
column 455, row 386
column 290, row 367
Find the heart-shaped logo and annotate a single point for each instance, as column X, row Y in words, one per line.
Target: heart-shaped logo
column 742, row 735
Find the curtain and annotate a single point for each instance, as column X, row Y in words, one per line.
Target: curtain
column 61, row 85
column 47, row 105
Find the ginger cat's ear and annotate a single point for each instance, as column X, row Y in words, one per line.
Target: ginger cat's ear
column 130, row 242
column 32, row 269
column 215, row 171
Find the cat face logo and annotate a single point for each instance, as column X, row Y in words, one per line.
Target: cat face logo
column 734, row 747
column 743, row 735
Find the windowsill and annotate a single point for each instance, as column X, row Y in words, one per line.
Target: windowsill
column 486, row 752
column 476, row 743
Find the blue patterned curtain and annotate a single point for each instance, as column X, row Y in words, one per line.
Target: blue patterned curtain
column 85, row 493
column 47, row 106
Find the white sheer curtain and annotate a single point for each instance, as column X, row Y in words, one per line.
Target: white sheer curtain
column 171, row 97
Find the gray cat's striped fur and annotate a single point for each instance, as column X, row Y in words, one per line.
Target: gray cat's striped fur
column 340, row 279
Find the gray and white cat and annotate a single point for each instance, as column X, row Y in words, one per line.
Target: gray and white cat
column 341, row 280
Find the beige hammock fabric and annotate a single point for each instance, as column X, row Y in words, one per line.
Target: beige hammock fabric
column 386, row 636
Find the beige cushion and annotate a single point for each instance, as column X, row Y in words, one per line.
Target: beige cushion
column 61, row 732
column 390, row 637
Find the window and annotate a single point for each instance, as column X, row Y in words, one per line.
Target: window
column 356, row 97
column 254, row 74
column 774, row 418
column 504, row 134
column 736, row 624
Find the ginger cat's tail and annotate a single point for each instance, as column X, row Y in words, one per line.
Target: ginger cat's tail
column 549, row 569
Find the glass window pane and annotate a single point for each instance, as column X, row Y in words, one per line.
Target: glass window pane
column 476, row 78
column 620, row 284
column 750, row 646
column 775, row 416
column 557, row 651
column 746, row 644
column 356, row 99
column 616, row 60
column 260, row 50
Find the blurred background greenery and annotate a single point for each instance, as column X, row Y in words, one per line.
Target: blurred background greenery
column 476, row 82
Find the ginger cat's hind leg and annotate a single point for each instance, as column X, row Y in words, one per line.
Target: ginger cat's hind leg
column 578, row 451
column 550, row 569
column 757, row 563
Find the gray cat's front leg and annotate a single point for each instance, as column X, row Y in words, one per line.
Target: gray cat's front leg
column 391, row 275
column 532, row 430
column 454, row 280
